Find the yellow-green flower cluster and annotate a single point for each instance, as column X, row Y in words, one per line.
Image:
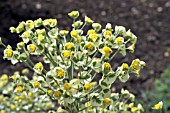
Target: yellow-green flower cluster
column 68, row 66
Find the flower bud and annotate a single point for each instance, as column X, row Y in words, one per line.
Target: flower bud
column 88, row 20
column 74, row 14
column 96, row 27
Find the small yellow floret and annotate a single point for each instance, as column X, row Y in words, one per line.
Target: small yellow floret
column 107, row 50
column 37, row 84
column 107, row 101
column 107, row 65
column 30, row 94
column 40, row 37
column 57, row 94
column 91, row 31
column 158, row 106
column 93, row 37
column 90, row 46
column 60, row 73
column 135, row 64
column 108, row 33
column 9, row 52
column 66, row 54
column 125, row 66
column 2, row 111
column 13, row 107
column 119, row 40
column 49, row 92
column 67, row 86
column 87, row 87
column 74, row 33
column 4, row 77
column 22, row 97
column 1, row 97
column 38, row 65
column 48, row 105
column 19, row 89
column 26, row 34
column 134, row 109
column 32, row 48
column 54, row 84
column 69, row 46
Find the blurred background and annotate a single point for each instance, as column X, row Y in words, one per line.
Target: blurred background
column 148, row 19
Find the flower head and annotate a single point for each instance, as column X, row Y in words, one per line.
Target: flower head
column 32, row 48
column 66, row 54
column 57, row 94
column 158, row 106
column 38, row 68
column 36, row 84
column 13, row 107
column 60, row 73
column 119, row 40
column 74, row 14
column 88, row 20
column 135, row 64
column 87, row 87
column 93, row 37
column 125, row 66
column 19, row 89
column 74, row 33
column 8, row 52
column 67, row 86
column 107, row 100
column 69, row 46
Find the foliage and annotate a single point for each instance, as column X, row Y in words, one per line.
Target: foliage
column 160, row 92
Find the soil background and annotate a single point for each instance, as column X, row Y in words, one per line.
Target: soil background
column 148, row 19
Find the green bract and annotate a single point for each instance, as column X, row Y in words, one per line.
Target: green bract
column 66, row 80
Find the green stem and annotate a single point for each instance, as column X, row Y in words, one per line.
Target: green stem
column 93, row 77
column 83, row 26
column 72, row 70
column 27, row 64
column 83, row 109
column 3, row 45
column 113, row 55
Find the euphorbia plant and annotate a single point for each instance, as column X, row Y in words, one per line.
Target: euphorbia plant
column 64, row 82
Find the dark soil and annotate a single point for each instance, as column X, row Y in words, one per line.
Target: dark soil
column 148, row 19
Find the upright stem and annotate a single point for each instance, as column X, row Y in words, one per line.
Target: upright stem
column 113, row 55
